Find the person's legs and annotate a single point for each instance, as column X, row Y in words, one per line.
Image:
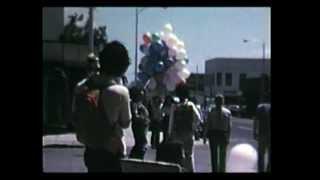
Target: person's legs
column 157, row 135
column 141, row 141
column 136, row 140
column 101, row 161
column 222, row 156
column 269, row 158
column 213, row 152
column 112, row 162
column 153, row 132
column 188, row 153
column 261, row 153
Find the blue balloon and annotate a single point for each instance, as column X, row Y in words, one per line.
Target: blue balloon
column 159, row 67
column 168, row 63
column 165, row 50
column 155, row 50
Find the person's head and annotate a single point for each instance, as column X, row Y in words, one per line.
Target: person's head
column 114, row 59
column 219, row 100
column 182, row 91
column 136, row 94
column 92, row 63
column 194, row 100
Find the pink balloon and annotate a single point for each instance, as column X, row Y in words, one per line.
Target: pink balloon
column 146, row 38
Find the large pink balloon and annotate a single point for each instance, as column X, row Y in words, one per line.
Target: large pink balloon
column 147, row 38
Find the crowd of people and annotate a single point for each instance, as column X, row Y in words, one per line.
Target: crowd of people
column 103, row 107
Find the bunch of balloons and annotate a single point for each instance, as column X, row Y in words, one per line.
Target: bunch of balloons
column 164, row 62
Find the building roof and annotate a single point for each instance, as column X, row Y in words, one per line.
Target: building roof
column 233, row 58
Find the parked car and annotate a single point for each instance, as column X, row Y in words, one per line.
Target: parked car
column 235, row 109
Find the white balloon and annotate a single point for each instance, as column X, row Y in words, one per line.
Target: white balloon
column 179, row 65
column 168, row 28
column 181, row 54
column 173, row 51
column 180, row 44
column 172, row 40
column 183, row 51
column 162, row 35
column 148, row 34
column 242, row 158
column 184, row 73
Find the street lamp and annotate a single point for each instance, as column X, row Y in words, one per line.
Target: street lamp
column 138, row 11
column 263, row 64
column 91, row 34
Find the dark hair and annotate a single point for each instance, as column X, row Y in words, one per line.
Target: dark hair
column 136, row 94
column 219, row 97
column 182, row 91
column 114, row 59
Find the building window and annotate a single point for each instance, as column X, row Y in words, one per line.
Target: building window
column 228, row 79
column 242, row 78
column 213, row 80
column 219, row 79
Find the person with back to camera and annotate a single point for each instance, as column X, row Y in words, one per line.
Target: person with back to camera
column 103, row 111
column 218, row 132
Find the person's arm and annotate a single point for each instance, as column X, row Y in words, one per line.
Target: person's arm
column 172, row 108
column 125, row 110
column 196, row 116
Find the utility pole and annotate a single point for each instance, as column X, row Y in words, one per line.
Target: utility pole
column 91, row 33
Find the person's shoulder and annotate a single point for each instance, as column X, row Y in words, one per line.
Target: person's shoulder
column 225, row 110
column 190, row 103
column 118, row 89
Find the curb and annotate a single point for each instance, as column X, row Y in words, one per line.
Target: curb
column 62, row 146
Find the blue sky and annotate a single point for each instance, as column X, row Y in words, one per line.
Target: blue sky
column 207, row 32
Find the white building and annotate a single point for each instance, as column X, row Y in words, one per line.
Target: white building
column 225, row 73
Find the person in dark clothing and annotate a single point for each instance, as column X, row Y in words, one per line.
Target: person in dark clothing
column 166, row 116
column 156, row 118
column 140, row 123
column 262, row 133
column 103, row 140
column 218, row 127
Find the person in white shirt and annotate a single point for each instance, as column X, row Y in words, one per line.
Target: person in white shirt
column 218, row 133
column 184, row 118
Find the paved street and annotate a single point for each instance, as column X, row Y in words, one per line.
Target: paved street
column 69, row 159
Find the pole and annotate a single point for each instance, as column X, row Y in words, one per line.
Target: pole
column 91, row 38
column 136, row 48
column 263, row 70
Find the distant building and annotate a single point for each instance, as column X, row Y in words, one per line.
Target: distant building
column 196, row 84
column 225, row 74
